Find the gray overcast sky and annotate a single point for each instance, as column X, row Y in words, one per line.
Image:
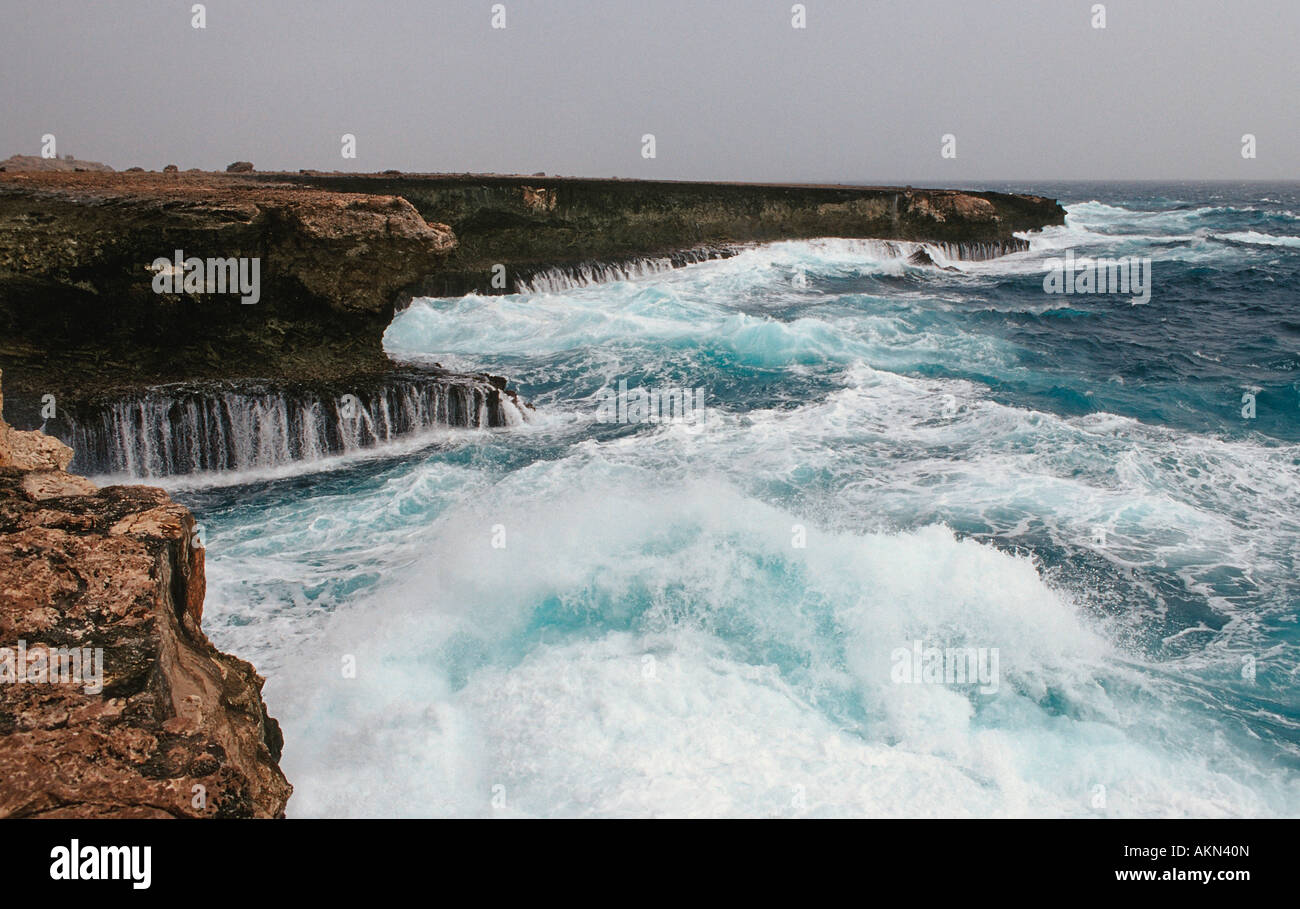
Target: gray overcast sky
column 729, row 89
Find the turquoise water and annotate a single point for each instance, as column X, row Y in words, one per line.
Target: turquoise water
column 584, row 618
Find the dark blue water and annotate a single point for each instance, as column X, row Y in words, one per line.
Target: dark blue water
column 1224, row 317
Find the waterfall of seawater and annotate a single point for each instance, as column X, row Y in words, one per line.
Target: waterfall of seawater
column 188, row 429
column 585, row 274
column 567, row 277
column 174, row 430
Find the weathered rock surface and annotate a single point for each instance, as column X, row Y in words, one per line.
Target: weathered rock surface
column 30, row 450
column 534, row 223
column 78, row 311
column 179, row 729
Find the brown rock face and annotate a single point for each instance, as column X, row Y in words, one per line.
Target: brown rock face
column 79, row 308
column 124, row 708
column 30, row 450
column 941, row 206
column 535, row 223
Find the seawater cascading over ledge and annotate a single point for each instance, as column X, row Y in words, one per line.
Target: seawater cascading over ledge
column 552, row 279
column 179, row 429
column 975, row 251
column 559, row 278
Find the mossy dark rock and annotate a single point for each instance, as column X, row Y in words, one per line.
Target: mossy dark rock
column 79, row 315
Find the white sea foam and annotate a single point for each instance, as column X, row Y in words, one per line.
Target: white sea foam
column 1255, row 237
column 708, row 668
column 770, row 664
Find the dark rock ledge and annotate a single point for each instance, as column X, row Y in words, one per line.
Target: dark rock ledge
column 179, row 728
column 79, row 317
column 340, row 252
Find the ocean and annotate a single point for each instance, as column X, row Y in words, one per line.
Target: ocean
column 736, row 614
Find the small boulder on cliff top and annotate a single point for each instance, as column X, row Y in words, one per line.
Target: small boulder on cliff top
column 240, row 167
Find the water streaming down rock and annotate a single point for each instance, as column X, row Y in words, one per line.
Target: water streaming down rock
column 561, row 278
column 924, row 253
column 584, row 274
column 184, row 429
column 978, row 252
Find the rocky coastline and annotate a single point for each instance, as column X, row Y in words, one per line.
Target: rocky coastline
column 114, row 703
column 89, row 334
column 81, row 317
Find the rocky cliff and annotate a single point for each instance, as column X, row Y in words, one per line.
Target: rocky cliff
column 534, row 223
column 83, row 317
column 78, row 307
column 113, row 703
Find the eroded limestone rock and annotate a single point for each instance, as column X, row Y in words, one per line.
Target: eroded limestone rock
column 168, row 726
